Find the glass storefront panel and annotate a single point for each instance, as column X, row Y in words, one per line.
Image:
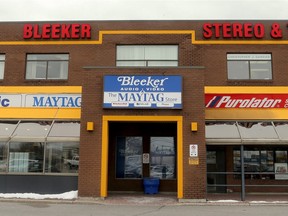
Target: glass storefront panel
column 22, row 145
column 129, row 157
column 265, row 162
column 62, row 157
column 26, row 156
column 162, row 161
column 3, row 157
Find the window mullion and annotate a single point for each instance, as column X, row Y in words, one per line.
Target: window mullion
column 47, row 67
column 249, row 68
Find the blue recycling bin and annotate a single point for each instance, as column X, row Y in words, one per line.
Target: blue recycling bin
column 151, row 185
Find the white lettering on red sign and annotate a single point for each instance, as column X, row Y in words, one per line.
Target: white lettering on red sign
column 246, row 101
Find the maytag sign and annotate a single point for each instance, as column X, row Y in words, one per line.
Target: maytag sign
column 41, row 100
column 155, row 92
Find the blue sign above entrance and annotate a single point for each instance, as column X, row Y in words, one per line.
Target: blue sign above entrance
column 156, row 92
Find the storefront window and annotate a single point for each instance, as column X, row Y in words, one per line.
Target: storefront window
column 267, row 161
column 62, row 157
column 22, row 145
column 281, row 156
column 162, row 164
column 26, row 157
column 129, row 157
column 3, row 156
column 262, row 163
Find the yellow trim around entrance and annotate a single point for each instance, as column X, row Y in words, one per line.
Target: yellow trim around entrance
column 105, row 146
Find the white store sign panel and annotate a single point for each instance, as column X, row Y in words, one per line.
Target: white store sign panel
column 41, row 100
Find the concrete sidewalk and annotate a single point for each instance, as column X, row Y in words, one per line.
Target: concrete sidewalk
column 212, row 199
column 170, row 199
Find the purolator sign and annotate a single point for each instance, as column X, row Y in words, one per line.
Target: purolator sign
column 246, row 100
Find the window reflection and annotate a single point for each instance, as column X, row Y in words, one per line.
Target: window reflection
column 3, row 157
column 261, row 162
column 162, row 164
column 26, row 156
column 22, row 155
column 129, row 157
column 62, row 157
column 249, row 66
column 47, row 66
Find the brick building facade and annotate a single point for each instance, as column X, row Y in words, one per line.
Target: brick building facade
column 232, row 80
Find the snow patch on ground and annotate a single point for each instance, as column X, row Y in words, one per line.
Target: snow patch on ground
column 223, row 201
column 67, row 196
column 265, row 202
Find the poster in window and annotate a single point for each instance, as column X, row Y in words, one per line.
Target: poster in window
column 281, row 171
column 211, row 157
column 129, row 157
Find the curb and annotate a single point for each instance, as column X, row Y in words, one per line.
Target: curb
column 138, row 201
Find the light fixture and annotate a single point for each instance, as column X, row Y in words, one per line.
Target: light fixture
column 194, row 126
column 90, row 126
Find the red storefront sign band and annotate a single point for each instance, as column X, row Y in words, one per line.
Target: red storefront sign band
column 246, row 100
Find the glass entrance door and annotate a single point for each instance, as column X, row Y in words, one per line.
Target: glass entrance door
column 129, row 152
column 130, row 158
column 162, row 157
column 140, row 150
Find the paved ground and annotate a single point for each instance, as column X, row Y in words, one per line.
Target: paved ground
column 212, row 199
column 170, row 199
column 142, row 205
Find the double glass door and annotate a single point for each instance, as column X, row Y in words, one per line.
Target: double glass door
column 131, row 160
column 140, row 150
